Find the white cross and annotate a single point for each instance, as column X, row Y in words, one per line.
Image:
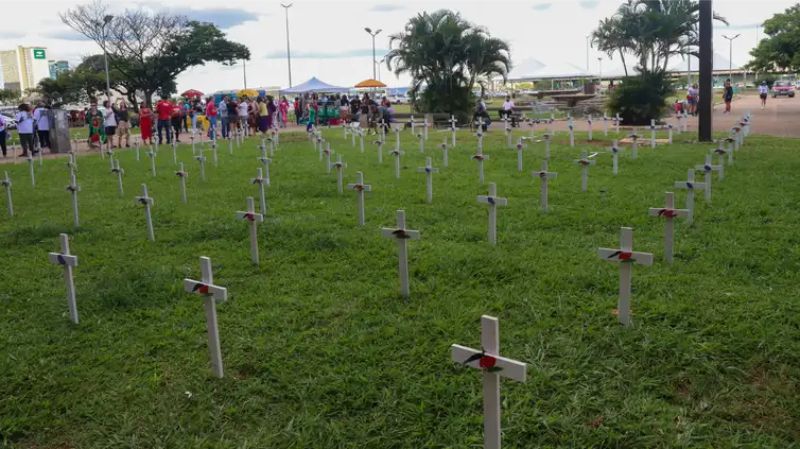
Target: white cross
column 193, row 142
column 353, row 135
column 615, row 157
column 6, row 182
column 546, row 138
column 721, row 152
column 402, row 235
column 30, row 167
column 452, row 122
column 669, row 133
column 605, row 124
column 411, row 121
column 730, row 149
column 493, row 201
column 254, row 218
column 425, row 126
column 668, row 212
column 68, row 261
column 214, row 153
column 544, row 176
column 626, row 258
column 361, row 134
column 737, row 135
column 137, row 146
column 585, row 161
column 429, row 170
column 380, row 143
column 73, row 188
column 265, row 161
column 520, row 149
column 119, row 172
column 396, row 130
column 339, row 166
column 690, row 187
column 652, row 133
column 421, row 142
column 678, row 117
column 589, row 123
column 571, row 127
column 152, row 155
column 261, row 182
column 707, row 169
column 507, row 129
column 147, row 202
column 494, row 367
column 210, row 293
column 396, row 153
column 327, row 153
column 479, row 157
column 360, row 188
column 344, row 129
column 202, row 160
column 174, row 152
column 230, row 145
column 634, row 146
column 182, row 174
column 532, row 123
column 617, row 121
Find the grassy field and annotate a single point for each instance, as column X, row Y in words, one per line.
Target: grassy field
column 321, row 352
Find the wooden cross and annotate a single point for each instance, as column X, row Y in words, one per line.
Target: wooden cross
column 152, row 155
column 546, row 137
column 261, row 182
column 413, row 124
column 634, row 146
column 429, row 170
column 589, row 123
column 445, row 160
column 182, row 174
column 147, row 202
column 544, row 176
column 119, row 172
column 488, row 360
column 265, row 161
column 210, row 293
column 254, row 218
column 6, row 182
column 202, row 160
column 339, row 166
column 402, row 235
column 585, row 161
column 360, row 188
column 452, row 122
column 615, row 157
column 396, row 153
column 707, row 168
column 380, row 143
column 396, row 138
column 668, row 212
column 652, row 133
column 626, row 257
column 73, row 188
column 361, row 134
column 730, row 150
column 669, row 133
column 67, row 260
column 421, row 142
column 479, row 157
column 493, row 201
column 425, row 126
column 690, row 187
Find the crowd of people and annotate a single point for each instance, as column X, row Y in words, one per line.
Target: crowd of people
column 33, row 129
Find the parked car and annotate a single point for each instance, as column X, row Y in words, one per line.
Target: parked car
column 781, row 88
column 10, row 122
column 399, row 99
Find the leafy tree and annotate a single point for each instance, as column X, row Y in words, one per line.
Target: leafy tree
column 446, row 57
column 8, row 95
column 780, row 51
column 149, row 50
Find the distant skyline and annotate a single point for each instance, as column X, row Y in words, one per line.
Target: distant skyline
column 328, row 38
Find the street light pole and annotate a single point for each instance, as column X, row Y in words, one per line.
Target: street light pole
column 587, row 52
column 374, row 61
column 244, row 72
column 380, row 63
column 730, row 54
column 288, row 50
column 600, row 65
column 106, row 20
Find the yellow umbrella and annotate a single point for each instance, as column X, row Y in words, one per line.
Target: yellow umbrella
column 370, row 83
column 250, row 93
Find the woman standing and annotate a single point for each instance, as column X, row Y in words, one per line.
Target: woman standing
column 110, row 122
column 146, row 123
column 211, row 115
column 97, row 132
column 263, row 115
column 763, row 92
column 271, row 113
column 284, row 111
column 41, row 117
column 727, row 95
column 24, row 120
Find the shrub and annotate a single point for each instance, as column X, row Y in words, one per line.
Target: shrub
column 638, row 99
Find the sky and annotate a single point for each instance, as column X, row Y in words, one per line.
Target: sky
column 328, row 39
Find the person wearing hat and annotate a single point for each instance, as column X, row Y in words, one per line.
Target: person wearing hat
column 763, row 92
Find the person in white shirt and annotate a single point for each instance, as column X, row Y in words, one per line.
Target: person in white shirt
column 243, row 112
column 24, row 120
column 3, row 135
column 41, row 116
column 508, row 108
column 109, row 122
column 763, row 92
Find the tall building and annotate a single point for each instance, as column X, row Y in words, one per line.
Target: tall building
column 24, row 67
column 57, row 68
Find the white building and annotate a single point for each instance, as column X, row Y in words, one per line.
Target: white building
column 24, row 67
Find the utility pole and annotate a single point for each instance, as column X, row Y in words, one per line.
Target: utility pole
column 705, row 125
column 730, row 54
column 288, row 50
column 374, row 61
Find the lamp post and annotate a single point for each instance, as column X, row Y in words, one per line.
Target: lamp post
column 244, row 72
column 588, row 36
column 600, row 68
column 374, row 61
column 730, row 53
column 288, row 51
column 106, row 20
column 380, row 63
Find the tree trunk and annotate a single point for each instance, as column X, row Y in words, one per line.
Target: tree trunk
column 148, row 95
column 624, row 64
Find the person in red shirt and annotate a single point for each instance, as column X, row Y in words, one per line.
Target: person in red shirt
column 211, row 115
column 164, row 113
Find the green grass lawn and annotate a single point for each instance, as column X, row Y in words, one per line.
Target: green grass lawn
column 321, row 352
